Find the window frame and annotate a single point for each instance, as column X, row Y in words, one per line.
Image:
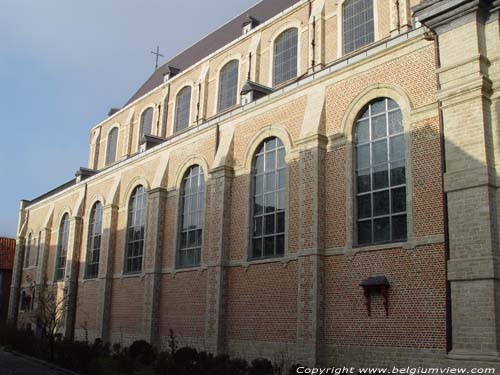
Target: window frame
column 62, row 241
column 407, row 185
column 200, row 217
column 260, row 149
column 38, row 248
column 141, row 127
column 126, row 256
column 226, row 65
column 107, row 161
column 176, row 113
column 27, row 253
column 273, row 81
column 97, row 208
column 342, row 28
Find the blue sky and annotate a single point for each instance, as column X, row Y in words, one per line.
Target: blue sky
column 64, row 64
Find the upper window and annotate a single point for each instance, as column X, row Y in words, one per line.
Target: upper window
column 380, row 174
column 62, row 248
column 183, row 108
column 112, row 146
column 147, row 122
column 192, row 218
column 39, row 244
column 94, row 242
column 228, row 85
column 285, row 56
column 359, row 26
column 269, row 183
column 136, row 230
column 27, row 255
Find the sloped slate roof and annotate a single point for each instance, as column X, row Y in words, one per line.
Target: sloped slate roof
column 7, row 251
column 263, row 11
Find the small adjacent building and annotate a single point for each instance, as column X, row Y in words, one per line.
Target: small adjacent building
column 7, row 251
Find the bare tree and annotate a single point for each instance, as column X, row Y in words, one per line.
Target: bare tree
column 51, row 306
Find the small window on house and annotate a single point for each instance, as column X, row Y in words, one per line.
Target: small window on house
column 285, row 56
column 228, row 85
column 112, row 146
column 147, row 122
column 62, row 248
column 380, row 174
column 191, row 218
column 359, row 26
column 27, row 255
column 39, row 244
column 183, row 108
column 136, row 230
column 94, row 242
column 269, row 209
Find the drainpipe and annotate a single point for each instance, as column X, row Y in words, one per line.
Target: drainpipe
column 431, row 35
column 399, row 16
column 165, row 110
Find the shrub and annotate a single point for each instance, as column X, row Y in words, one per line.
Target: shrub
column 261, row 366
column 142, row 352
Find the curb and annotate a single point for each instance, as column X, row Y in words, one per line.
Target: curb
column 44, row 363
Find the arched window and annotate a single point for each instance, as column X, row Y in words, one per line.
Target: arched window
column 269, row 209
column 62, row 248
column 228, row 85
column 136, row 230
column 191, row 218
column 359, row 25
column 183, row 108
column 112, row 146
column 285, row 56
column 94, row 242
column 39, row 244
column 380, row 174
column 27, row 254
column 147, row 122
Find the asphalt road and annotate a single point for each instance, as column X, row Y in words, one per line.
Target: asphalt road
column 13, row 365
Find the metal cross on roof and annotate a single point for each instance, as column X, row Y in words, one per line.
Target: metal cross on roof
column 158, row 55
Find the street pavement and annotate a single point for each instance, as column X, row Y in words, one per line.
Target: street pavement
column 11, row 364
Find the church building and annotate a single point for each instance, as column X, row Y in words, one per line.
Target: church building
column 315, row 181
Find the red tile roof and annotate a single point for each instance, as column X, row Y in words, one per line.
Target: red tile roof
column 7, row 251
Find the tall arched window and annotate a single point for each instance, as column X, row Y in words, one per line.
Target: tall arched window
column 359, row 25
column 285, row 56
column 191, row 218
column 136, row 230
column 228, row 85
column 269, row 209
column 112, row 146
column 380, row 174
column 94, row 242
column 62, row 248
column 39, row 244
column 147, row 122
column 27, row 254
column 183, row 108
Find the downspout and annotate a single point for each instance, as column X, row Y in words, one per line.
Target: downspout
column 165, row 110
column 313, row 43
column 399, row 16
column 198, row 104
column 431, row 35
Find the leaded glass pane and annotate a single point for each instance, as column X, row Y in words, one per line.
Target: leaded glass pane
column 380, row 174
column 183, row 108
column 94, row 242
column 112, row 146
column 285, row 56
column 269, row 211
column 62, row 248
column 147, row 122
column 228, row 85
column 135, row 230
column 191, row 218
column 359, row 27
